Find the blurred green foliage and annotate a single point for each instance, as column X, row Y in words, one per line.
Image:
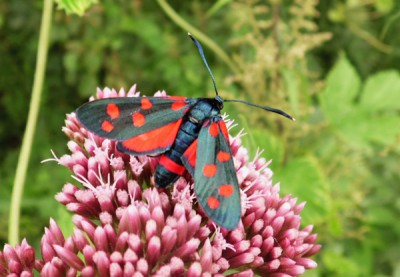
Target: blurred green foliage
column 333, row 65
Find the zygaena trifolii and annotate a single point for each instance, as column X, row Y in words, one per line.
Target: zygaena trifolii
column 188, row 134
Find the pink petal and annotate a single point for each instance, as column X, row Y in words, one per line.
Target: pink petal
column 116, row 270
column 151, row 229
column 69, row 257
column 194, row 270
column 168, row 239
column 130, row 221
column 129, row 269
column 206, row 255
column 177, row 266
column 142, row 266
column 116, row 257
column 188, row 248
column 122, row 242
column 88, row 253
column 79, row 239
column 307, row 263
column 88, row 271
column 242, row 259
column 153, row 251
column 100, row 239
column 135, row 244
column 130, row 256
column 294, row 270
column 102, row 263
column 182, row 230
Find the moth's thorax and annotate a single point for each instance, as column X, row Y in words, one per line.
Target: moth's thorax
column 204, row 109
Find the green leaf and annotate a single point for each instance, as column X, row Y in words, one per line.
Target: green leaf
column 384, row 6
column 361, row 129
column 64, row 221
column 339, row 264
column 75, row 6
column 383, row 129
column 359, row 124
column 335, row 224
column 337, row 13
column 353, row 130
column 303, row 178
column 343, row 84
column 380, row 215
column 381, row 92
column 147, row 29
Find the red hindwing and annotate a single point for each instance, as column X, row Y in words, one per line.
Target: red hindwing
column 189, row 157
column 152, row 142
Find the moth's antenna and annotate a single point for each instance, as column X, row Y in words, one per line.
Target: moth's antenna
column 198, row 45
column 264, row 108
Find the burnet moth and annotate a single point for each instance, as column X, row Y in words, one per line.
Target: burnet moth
column 188, row 134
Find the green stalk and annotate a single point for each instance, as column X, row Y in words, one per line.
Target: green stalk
column 197, row 34
column 24, row 155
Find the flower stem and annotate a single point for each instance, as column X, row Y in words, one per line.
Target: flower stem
column 24, row 155
column 197, row 34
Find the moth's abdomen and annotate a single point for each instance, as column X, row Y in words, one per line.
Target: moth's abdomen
column 170, row 166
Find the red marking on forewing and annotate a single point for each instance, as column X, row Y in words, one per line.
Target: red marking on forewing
column 113, row 110
column 107, row 126
column 178, row 98
column 223, row 156
column 145, row 103
column 213, row 202
column 225, row 190
column 213, row 130
column 156, row 139
column 190, row 153
column 209, row 170
column 171, row 166
column 178, row 105
column 224, row 130
column 138, row 119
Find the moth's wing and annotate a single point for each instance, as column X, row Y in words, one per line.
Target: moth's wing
column 142, row 125
column 215, row 181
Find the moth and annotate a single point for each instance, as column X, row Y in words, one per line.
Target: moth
column 187, row 133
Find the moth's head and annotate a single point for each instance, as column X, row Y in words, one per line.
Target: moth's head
column 219, row 102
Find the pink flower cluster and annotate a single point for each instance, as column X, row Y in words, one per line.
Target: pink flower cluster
column 124, row 226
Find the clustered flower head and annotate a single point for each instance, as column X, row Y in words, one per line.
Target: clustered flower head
column 125, row 226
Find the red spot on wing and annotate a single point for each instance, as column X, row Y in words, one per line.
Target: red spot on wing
column 171, row 166
column 223, row 156
column 113, row 110
column 107, row 126
column 138, row 119
column 213, row 202
column 209, row 170
column 190, row 153
column 178, row 98
column 226, row 190
column 224, row 130
column 213, row 130
column 178, row 105
column 145, row 103
column 159, row 138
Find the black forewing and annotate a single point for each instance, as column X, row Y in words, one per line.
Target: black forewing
column 93, row 114
column 228, row 212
